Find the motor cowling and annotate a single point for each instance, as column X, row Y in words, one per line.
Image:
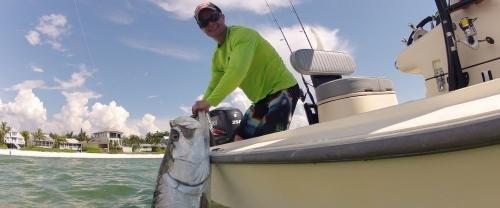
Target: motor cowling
column 224, row 122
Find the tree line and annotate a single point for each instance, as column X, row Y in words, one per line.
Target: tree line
column 154, row 139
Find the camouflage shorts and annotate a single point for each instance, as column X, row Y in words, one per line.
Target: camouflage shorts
column 271, row 114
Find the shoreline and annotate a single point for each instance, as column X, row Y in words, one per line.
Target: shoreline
column 84, row 155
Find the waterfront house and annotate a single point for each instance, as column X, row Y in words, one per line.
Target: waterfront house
column 107, row 138
column 45, row 142
column 71, row 143
column 13, row 139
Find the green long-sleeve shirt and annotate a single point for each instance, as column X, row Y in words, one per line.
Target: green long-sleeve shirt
column 248, row 61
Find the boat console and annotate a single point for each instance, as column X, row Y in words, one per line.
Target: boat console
column 475, row 32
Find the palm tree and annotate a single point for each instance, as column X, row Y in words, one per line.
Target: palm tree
column 155, row 139
column 70, row 135
column 26, row 136
column 58, row 139
column 149, row 138
column 38, row 135
column 82, row 136
column 4, row 130
column 134, row 141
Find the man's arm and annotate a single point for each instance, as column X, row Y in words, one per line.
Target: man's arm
column 239, row 64
column 216, row 76
column 203, row 105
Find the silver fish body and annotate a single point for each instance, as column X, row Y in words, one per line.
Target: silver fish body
column 185, row 168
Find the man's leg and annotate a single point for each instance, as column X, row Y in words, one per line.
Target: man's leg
column 251, row 121
column 279, row 114
column 267, row 117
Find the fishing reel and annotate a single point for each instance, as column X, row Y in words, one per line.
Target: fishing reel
column 470, row 33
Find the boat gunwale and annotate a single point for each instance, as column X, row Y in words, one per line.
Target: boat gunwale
column 478, row 131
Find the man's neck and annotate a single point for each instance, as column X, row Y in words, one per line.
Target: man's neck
column 222, row 37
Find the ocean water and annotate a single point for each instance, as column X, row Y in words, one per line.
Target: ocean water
column 59, row 182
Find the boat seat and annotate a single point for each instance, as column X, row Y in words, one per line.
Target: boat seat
column 352, row 85
column 317, row 62
column 341, row 97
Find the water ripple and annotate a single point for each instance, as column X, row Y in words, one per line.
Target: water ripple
column 60, row 182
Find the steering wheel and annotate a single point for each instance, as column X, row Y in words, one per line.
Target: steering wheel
column 419, row 25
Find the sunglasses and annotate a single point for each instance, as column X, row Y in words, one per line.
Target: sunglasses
column 210, row 18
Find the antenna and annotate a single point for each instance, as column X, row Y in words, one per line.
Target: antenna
column 300, row 22
column 306, row 84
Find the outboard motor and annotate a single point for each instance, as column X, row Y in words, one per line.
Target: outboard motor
column 224, row 121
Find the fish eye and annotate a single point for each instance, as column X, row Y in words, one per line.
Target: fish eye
column 174, row 135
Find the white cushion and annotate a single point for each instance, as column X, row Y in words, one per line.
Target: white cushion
column 341, row 87
column 316, row 62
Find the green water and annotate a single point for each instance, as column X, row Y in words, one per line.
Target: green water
column 58, row 182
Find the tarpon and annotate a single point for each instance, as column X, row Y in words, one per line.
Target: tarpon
column 185, row 168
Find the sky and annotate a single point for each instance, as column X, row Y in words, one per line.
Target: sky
column 133, row 65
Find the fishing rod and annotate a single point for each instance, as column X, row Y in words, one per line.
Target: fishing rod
column 300, row 22
column 84, row 38
column 310, row 109
column 279, row 26
column 308, row 92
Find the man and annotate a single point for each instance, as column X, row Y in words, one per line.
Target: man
column 244, row 59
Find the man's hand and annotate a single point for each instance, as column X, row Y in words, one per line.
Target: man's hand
column 200, row 105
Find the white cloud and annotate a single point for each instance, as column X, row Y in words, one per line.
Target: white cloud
column 77, row 80
column 184, row 10
column 321, row 38
column 186, row 109
column 237, row 99
column 25, row 112
column 147, row 124
column 169, row 51
column 33, row 37
column 53, row 25
column 152, row 96
column 299, row 118
column 50, row 30
column 110, row 116
column 56, row 45
column 74, row 115
column 120, row 17
column 28, row 85
column 37, row 68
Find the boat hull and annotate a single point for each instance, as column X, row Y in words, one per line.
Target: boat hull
column 436, row 152
column 466, row 178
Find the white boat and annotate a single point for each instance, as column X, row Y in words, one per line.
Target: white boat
column 369, row 151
